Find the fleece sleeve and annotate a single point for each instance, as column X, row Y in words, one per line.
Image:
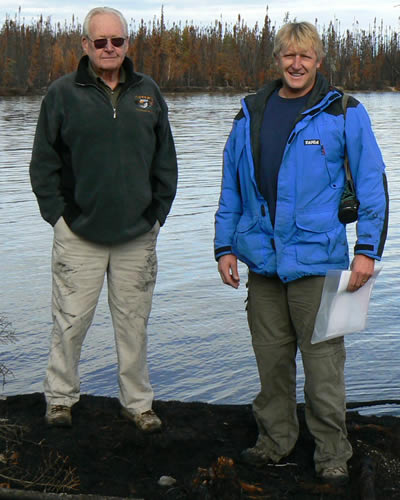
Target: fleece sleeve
column 164, row 172
column 46, row 164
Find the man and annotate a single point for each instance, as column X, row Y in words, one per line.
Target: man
column 278, row 213
column 104, row 172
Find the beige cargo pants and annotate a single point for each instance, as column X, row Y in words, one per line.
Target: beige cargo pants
column 281, row 318
column 79, row 268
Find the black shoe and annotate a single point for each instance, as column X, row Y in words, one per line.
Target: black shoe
column 255, row 456
column 336, row 475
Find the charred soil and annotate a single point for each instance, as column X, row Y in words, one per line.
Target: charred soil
column 106, row 456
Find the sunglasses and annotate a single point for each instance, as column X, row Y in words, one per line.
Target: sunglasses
column 101, row 43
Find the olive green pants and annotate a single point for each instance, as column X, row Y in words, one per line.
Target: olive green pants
column 281, row 318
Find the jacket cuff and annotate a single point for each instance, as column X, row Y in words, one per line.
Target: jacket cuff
column 368, row 250
column 219, row 252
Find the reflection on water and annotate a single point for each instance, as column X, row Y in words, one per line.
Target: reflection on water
column 199, row 346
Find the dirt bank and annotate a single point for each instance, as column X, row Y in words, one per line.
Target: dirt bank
column 106, row 456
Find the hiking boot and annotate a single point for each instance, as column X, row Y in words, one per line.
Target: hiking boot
column 255, row 456
column 336, row 475
column 58, row 416
column 146, row 421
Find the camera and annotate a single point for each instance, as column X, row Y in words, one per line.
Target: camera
column 348, row 208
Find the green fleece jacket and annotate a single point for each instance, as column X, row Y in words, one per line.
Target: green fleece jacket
column 110, row 172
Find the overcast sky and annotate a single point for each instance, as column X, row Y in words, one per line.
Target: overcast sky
column 205, row 12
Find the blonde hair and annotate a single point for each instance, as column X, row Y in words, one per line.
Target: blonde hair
column 303, row 35
column 103, row 10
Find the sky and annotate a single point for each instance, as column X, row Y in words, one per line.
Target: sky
column 349, row 14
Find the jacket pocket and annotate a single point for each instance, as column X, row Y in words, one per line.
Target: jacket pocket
column 250, row 243
column 336, row 175
column 320, row 238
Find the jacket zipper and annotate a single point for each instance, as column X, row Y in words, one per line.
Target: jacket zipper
column 101, row 92
column 107, row 98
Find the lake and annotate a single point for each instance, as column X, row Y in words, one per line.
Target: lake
column 199, row 344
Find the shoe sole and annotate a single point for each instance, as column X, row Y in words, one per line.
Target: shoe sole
column 338, row 481
column 49, row 423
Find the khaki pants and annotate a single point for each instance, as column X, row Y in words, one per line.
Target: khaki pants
column 281, row 318
column 79, row 267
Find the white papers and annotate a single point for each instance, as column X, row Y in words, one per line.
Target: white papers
column 340, row 311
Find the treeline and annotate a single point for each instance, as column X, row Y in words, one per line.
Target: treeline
column 187, row 56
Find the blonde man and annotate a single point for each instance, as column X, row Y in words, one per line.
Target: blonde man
column 278, row 213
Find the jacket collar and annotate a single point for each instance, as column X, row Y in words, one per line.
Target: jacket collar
column 256, row 102
column 320, row 98
column 83, row 76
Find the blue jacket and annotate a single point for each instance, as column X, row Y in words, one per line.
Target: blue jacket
column 307, row 239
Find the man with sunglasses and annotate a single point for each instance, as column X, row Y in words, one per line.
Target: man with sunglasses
column 104, row 172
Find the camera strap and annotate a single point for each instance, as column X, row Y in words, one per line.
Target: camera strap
column 349, row 177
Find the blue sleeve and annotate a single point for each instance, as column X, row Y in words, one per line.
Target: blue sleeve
column 230, row 202
column 368, row 172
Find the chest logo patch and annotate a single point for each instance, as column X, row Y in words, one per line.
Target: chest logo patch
column 312, row 142
column 144, row 102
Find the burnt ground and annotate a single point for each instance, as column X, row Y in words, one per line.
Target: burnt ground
column 104, row 455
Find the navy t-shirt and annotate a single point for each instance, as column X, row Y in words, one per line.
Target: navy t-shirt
column 278, row 121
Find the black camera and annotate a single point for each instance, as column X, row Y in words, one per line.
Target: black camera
column 348, row 207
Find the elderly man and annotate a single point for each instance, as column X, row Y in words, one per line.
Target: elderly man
column 104, row 172
column 278, row 213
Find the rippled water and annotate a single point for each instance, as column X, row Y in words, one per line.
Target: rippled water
column 199, row 345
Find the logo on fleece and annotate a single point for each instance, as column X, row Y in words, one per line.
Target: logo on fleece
column 144, row 102
column 312, row 142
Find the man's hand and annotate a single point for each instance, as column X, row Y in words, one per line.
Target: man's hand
column 362, row 268
column 228, row 269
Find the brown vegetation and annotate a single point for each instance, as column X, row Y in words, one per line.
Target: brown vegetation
column 186, row 56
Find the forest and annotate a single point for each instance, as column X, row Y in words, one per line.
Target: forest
column 189, row 57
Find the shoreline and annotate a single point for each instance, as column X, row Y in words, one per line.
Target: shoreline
column 21, row 92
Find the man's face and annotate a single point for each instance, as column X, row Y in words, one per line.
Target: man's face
column 298, row 68
column 109, row 58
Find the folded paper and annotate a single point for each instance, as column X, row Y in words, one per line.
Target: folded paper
column 340, row 311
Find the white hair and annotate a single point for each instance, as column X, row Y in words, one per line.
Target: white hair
column 103, row 10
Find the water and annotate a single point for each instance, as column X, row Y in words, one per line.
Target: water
column 199, row 345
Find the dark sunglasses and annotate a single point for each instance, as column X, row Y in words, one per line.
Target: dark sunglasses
column 100, row 43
